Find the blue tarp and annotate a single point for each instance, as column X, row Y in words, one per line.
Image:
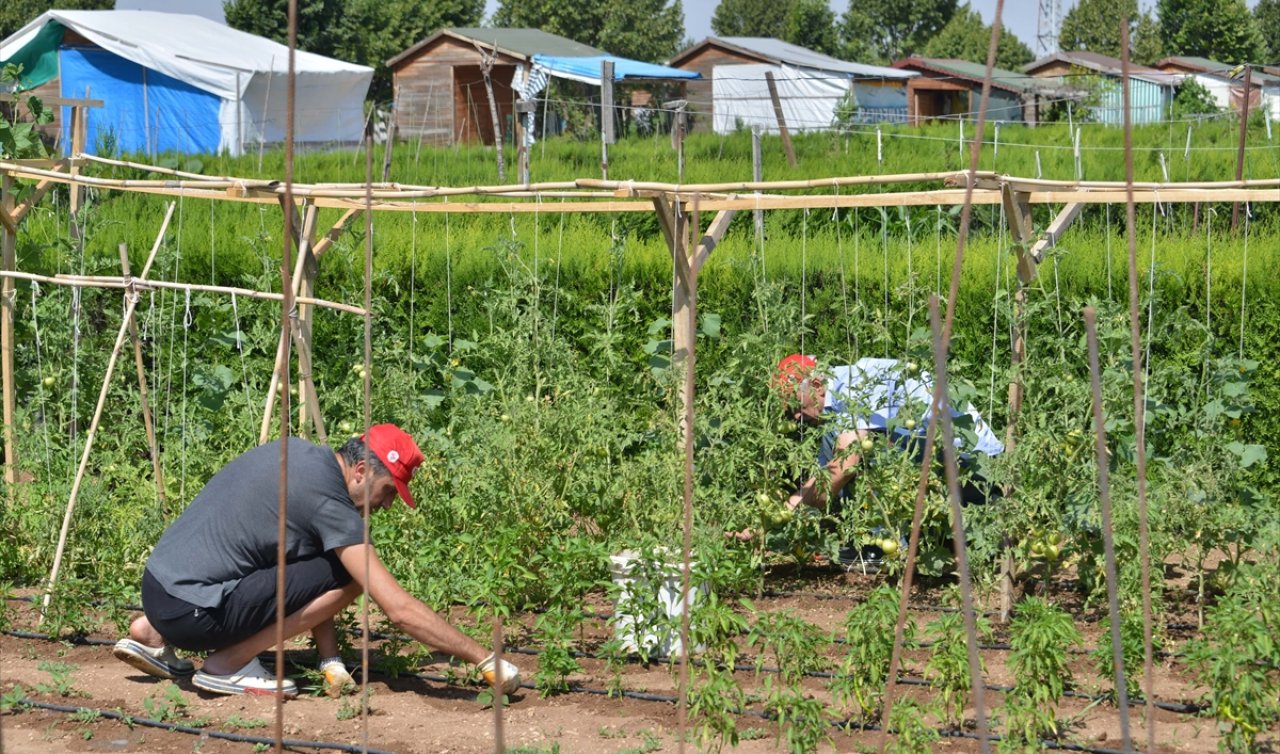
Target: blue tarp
column 144, row 111
column 588, row 69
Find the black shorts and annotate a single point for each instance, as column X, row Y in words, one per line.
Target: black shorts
column 248, row 609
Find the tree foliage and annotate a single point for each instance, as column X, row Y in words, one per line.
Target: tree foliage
column 1221, row 30
column 965, row 37
column 640, row 29
column 1094, row 25
column 885, row 30
column 15, row 14
column 368, row 32
column 811, row 24
column 1267, row 16
column 751, row 18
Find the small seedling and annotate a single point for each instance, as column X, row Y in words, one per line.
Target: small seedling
column 60, row 674
column 235, row 721
column 167, row 705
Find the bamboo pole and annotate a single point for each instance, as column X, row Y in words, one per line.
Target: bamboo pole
column 1108, row 541
column 143, row 399
column 131, row 299
column 8, row 260
column 1139, row 405
column 93, row 281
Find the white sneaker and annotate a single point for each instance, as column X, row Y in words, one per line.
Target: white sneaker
column 251, row 679
column 160, row 662
column 336, row 677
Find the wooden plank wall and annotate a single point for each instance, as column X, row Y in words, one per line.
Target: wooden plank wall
column 440, row 96
column 698, row 91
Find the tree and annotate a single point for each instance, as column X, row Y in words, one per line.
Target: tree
column 892, row 29
column 1221, row 30
column 1267, row 16
column 368, row 32
column 641, row 29
column 811, row 24
column 1094, row 25
column 15, row 14
column 965, row 37
column 751, row 18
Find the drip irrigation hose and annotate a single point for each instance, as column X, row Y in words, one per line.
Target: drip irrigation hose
column 1185, row 708
column 292, row 743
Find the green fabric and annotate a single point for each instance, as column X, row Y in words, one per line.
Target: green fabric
column 39, row 57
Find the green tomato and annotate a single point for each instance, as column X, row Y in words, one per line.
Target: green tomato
column 345, row 426
column 889, row 547
column 909, row 424
column 867, row 444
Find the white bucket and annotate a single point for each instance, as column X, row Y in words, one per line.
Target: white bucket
column 646, row 618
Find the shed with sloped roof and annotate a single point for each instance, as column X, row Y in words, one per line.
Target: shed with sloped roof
column 1100, row 80
column 733, row 90
column 949, row 88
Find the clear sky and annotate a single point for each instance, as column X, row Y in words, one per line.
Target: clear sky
column 1019, row 15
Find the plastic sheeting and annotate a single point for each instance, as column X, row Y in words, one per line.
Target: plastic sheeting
column 38, row 58
column 587, row 70
column 809, row 98
column 143, row 111
column 246, row 73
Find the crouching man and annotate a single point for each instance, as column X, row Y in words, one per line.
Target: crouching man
column 210, row 584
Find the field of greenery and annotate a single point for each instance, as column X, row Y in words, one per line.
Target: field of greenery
column 529, row 355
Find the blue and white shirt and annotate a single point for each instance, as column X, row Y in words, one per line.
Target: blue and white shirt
column 871, row 393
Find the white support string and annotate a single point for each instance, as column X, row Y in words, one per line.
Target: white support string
column 804, row 270
column 186, row 331
column 413, row 284
column 448, row 277
column 1001, row 248
column 844, row 282
column 1244, row 276
column 911, row 282
column 44, row 415
column 1110, row 294
column 244, row 371
column 1151, row 303
column 75, row 371
column 555, row 302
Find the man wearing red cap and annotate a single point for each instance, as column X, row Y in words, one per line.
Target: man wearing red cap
column 210, row 583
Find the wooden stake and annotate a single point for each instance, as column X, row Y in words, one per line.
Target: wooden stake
column 606, row 115
column 486, row 67
column 8, row 261
column 140, row 367
column 1244, row 133
column 131, row 299
column 782, row 122
column 757, row 175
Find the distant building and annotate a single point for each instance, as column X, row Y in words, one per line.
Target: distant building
column 733, row 92
column 439, row 89
column 1226, row 82
column 1098, row 79
column 948, row 88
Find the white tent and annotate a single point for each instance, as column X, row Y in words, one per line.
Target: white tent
column 809, row 98
column 176, row 82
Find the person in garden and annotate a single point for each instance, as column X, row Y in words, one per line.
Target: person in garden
column 210, row 584
column 856, row 403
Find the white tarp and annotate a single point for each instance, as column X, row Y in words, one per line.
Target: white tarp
column 809, row 98
column 248, row 73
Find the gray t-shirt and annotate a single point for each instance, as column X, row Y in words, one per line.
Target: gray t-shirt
column 230, row 529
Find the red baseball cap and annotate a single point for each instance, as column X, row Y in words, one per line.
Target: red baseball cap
column 398, row 452
column 792, row 368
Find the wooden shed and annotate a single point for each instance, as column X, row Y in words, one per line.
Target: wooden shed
column 948, row 88
column 438, row 84
column 1151, row 91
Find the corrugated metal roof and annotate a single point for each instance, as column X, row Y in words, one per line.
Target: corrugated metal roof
column 1220, row 70
column 520, row 43
column 528, row 42
column 772, row 50
column 976, row 72
column 1105, row 64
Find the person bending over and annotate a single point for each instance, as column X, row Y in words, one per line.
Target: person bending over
column 870, row 397
column 210, row 584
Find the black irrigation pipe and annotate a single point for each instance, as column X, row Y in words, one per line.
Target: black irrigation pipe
column 638, row 695
column 131, row 720
column 1185, row 708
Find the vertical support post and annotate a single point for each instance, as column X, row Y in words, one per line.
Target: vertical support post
column 606, row 115
column 388, row 148
column 757, row 175
column 1017, row 208
column 1244, row 133
column 486, row 67
column 77, row 146
column 8, row 261
column 140, row 367
column 782, row 121
column 524, row 108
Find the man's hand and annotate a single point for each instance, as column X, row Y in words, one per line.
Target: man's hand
column 502, row 673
